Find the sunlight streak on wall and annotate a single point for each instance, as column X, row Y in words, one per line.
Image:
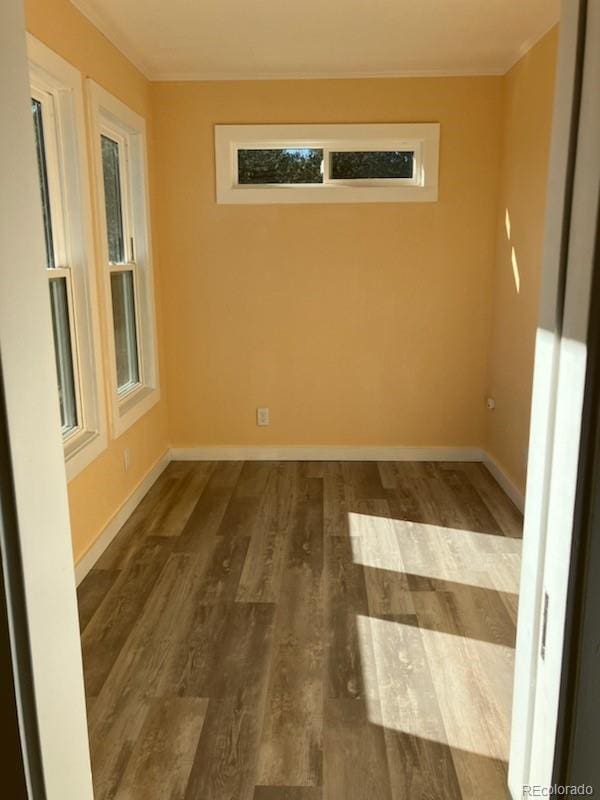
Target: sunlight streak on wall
column 515, row 269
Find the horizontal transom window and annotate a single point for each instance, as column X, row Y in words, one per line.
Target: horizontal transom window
column 327, row 163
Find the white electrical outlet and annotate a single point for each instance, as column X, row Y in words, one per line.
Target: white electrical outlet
column 126, row 459
column 262, row 416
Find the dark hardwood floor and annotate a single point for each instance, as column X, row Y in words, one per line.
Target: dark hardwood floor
column 305, row 631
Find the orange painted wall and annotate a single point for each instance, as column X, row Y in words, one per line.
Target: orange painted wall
column 382, row 324
column 356, row 324
column 528, row 98
column 97, row 493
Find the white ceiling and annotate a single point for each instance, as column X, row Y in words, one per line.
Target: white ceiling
column 220, row 39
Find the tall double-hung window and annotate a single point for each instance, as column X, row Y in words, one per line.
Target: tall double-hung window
column 121, row 177
column 57, row 117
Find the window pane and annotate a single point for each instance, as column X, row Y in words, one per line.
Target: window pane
column 372, row 164
column 112, row 200
column 123, row 305
column 291, row 165
column 63, row 352
column 38, row 125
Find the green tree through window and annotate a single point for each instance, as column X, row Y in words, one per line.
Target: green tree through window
column 289, row 165
column 374, row 165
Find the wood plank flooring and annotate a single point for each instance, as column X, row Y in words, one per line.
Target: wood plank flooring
column 305, row 631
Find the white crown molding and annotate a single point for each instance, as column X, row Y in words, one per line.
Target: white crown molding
column 177, row 77
column 131, row 53
column 527, row 46
column 324, row 453
column 113, row 35
column 108, row 533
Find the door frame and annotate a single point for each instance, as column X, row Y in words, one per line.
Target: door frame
column 37, row 557
column 58, row 719
column 576, row 760
column 558, row 398
column 20, row 770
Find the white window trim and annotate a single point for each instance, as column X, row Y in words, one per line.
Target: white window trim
column 51, row 74
column 423, row 138
column 108, row 113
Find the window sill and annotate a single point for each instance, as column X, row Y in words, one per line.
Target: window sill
column 327, row 193
column 132, row 407
column 80, row 450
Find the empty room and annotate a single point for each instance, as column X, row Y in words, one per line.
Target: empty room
column 298, row 454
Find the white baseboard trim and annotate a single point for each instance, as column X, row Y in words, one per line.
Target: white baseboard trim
column 287, row 453
column 500, row 476
column 324, row 453
column 89, row 558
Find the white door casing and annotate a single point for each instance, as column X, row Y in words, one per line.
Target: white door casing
column 37, row 460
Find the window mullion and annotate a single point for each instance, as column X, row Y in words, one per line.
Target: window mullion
column 125, row 267
column 326, row 160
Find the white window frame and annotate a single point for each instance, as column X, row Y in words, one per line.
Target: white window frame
column 110, row 116
column 422, row 138
column 58, row 86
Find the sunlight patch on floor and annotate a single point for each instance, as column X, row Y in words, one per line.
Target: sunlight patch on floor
column 437, row 686
column 477, row 559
